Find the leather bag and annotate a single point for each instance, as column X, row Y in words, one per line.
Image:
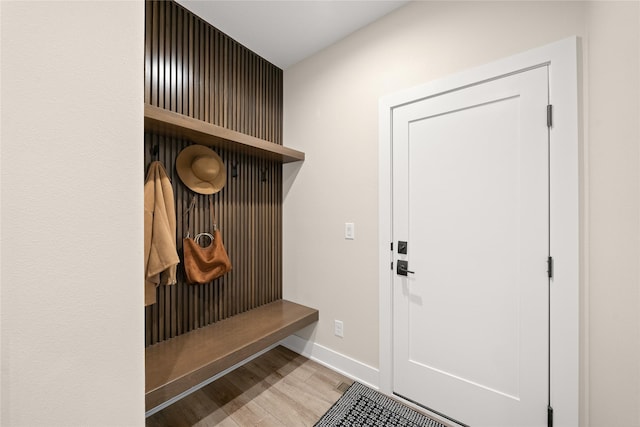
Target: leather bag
column 204, row 264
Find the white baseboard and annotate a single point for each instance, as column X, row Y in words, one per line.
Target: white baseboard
column 345, row 365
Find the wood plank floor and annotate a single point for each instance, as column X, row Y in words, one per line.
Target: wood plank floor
column 279, row 388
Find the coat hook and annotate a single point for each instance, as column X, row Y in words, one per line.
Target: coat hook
column 154, row 151
column 264, row 175
column 234, row 170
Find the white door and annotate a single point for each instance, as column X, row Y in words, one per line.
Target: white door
column 471, row 199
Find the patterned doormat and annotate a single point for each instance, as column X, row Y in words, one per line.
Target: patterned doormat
column 362, row 406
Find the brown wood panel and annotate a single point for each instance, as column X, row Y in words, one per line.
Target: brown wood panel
column 176, row 365
column 193, row 69
column 202, row 86
column 245, row 216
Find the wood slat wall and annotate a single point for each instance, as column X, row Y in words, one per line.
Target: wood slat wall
column 193, row 69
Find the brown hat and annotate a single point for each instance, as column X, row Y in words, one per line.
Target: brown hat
column 201, row 169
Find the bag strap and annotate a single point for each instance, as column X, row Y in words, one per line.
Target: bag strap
column 189, row 212
column 214, row 226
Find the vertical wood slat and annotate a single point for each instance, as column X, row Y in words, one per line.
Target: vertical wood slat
column 182, row 61
column 151, row 34
column 147, row 55
column 173, row 64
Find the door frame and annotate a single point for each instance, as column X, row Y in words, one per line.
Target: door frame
column 564, row 218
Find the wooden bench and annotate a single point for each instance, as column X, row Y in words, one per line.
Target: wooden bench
column 176, row 365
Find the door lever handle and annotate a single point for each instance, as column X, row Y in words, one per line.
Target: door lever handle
column 402, row 268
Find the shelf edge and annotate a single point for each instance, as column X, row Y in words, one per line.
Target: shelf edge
column 169, row 123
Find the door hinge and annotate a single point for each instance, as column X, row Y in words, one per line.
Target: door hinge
column 549, row 416
column 549, row 115
column 550, row 267
column 391, row 246
column 391, row 265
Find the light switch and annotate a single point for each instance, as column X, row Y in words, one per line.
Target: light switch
column 349, row 230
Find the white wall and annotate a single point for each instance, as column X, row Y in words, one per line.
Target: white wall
column 71, row 232
column 331, row 102
column 612, row 145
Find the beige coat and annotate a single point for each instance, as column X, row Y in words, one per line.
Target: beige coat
column 160, row 254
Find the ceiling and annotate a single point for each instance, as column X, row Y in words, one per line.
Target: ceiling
column 285, row 32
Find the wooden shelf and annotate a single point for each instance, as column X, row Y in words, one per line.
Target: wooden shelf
column 167, row 122
column 176, row 365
